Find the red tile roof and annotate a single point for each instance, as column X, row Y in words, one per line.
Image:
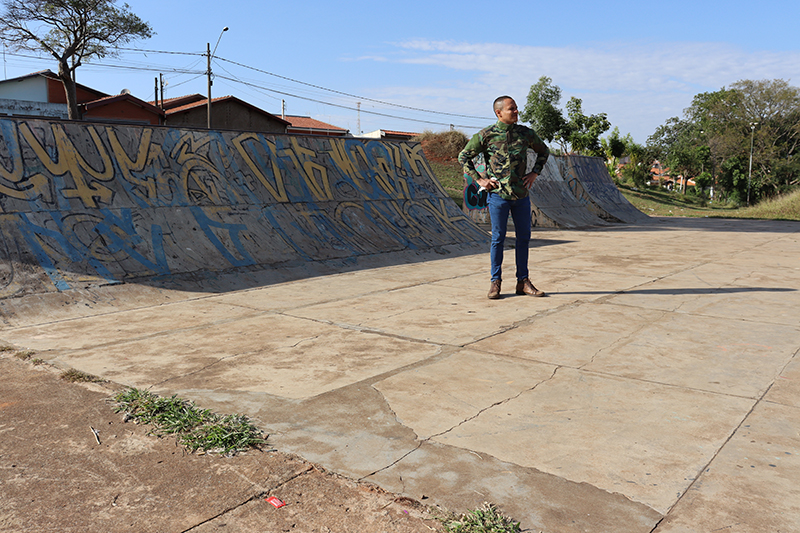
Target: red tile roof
column 180, row 100
column 400, row 133
column 120, row 97
column 308, row 123
column 204, row 102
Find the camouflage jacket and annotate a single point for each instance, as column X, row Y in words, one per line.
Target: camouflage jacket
column 505, row 152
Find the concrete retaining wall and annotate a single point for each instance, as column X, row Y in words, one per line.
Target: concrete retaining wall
column 86, row 204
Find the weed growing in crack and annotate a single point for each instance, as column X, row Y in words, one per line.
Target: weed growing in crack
column 486, row 519
column 75, row 376
column 195, row 428
column 25, row 354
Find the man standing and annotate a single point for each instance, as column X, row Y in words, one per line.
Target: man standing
column 504, row 146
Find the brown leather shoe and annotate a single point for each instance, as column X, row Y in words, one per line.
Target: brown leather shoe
column 526, row 287
column 494, row 290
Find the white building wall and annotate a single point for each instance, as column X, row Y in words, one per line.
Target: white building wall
column 33, row 89
column 27, row 107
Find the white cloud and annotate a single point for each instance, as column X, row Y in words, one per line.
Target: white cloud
column 639, row 85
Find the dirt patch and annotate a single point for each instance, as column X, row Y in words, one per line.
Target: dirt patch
column 55, row 476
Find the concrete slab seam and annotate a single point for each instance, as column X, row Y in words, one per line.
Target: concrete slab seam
column 262, row 493
column 362, row 329
column 159, row 333
column 473, row 417
column 716, row 453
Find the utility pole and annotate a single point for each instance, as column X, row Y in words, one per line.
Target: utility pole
column 208, row 71
column 358, row 124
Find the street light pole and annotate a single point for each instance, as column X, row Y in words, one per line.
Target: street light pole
column 209, row 55
column 750, row 171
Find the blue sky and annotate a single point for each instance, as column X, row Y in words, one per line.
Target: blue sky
column 639, row 62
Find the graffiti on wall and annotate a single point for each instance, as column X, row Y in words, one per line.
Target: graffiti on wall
column 118, row 203
column 590, row 182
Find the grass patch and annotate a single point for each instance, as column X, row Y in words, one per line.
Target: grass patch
column 656, row 202
column 451, row 177
column 195, row 428
column 659, row 202
column 25, row 355
column 786, row 207
column 486, row 519
column 77, row 376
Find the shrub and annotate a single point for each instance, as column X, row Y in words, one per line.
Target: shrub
column 442, row 146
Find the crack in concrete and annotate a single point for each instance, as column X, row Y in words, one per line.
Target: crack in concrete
column 733, row 433
column 622, row 340
column 473, row 417
column 501, row 402
column 201, row 369
column 256, row 496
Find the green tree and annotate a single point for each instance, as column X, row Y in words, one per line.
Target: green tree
column 541, row 110
column 575, row 133
column 640, row 161
column 583, row 132
column 613, row 147
column 716, row 132
column 71, row 31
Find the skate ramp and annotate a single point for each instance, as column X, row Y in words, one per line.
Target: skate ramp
column 83, row 205
column 553, row 204
column 588, row 179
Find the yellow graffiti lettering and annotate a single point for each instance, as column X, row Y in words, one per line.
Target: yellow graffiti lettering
column 319, row 187
column 29, row 189
column 26, row 188
column 385, row 173
column 415, row 156
column 381, row 219
column 346, row 164
column 278, row 191
column 127, row 165
column 413, row 227
column 70, row 161
column 441, row 215
column 56, row 168
column 194, row 167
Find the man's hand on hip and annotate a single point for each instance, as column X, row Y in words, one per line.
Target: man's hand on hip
column 529, row 179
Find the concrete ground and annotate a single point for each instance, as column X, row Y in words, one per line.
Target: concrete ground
column 656, row 388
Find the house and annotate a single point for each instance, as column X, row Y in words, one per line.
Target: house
column 389, row 135
column 124, row 108
column 227, row 112
column 310, row 126
column 40, row 94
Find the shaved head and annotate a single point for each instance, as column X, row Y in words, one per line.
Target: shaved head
column 500, row 102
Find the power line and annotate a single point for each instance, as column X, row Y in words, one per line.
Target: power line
column 348, row 94
column 346, row 107
column 198, row 73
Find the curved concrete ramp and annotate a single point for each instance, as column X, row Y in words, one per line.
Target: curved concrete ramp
column 589, row 181
column 553, row 205
column 83, row 204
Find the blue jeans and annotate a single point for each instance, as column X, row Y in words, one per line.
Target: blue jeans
column 521, row 215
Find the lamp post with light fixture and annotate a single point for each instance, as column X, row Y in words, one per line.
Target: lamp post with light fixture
column 750, row 170
column 210, row 54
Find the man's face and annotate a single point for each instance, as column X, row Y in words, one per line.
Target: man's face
column 509, row 114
